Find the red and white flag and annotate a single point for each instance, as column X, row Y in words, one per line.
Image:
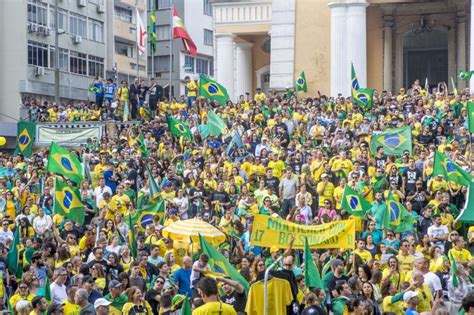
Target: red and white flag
column 141, row 35
column 179, row 31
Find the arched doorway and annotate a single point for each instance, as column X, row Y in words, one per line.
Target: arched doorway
column 425, row 55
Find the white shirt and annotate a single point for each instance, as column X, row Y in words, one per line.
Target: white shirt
column 4, row 236
column 58, row 293
column 196, row 275
column 437, row 231
column 99, row 194
column 433, row 282
column 41, row 225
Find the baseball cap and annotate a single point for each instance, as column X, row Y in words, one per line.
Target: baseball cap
column 336, row 262
column 274, row 249
column 173, row 211
column 114, row 284
column 101, row 302
column 177, row 300
column 407, row 296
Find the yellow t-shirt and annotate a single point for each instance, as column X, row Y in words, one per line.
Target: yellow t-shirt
column 425, row 298
column 338, row 192
column 327, row 194
column 192, row 88
column 128, row 308
column 277, row 167
column 278, row 298
column 259, row 97
column 406, row 263
column 120, row 203
column 220, row 308
column 460, row 255
column 17, row 297
column 71, row 308
column 345, row 165
column 389, row 307
column 364, row 254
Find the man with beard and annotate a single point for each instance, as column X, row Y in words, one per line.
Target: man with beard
column 234, row 294
column 38, row 267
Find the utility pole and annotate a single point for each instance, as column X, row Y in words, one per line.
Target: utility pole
column 57, row 98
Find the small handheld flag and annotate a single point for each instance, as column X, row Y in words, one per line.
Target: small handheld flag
column 300, row 83
column 465, row 75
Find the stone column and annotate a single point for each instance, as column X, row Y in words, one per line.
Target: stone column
column 387, row 52
column 339, row 62
column 243, row 68
column 461, row 44
column 356, row 39
column 225, row 61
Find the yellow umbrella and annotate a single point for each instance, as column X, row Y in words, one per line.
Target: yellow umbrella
column 185, row 229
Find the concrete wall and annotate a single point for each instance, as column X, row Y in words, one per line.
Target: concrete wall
column 313, row 44
column 374, row 48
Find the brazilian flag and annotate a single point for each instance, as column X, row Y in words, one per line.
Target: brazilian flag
column 394, row 141
column 179, row 128
column 470, row 116
column 13, row 256
column 67, row 202
column 300, row 83
column 396, row 216
column 354, row 203
column 25, row 138
column 215, row 125
column 465, row 75
column 152, row 30
column 143, row 217
column 154, row 189
column 219, row 264
column 63, row 162
column 443, row 165
column 212, row 90
column 361, row 96
column 136, row 140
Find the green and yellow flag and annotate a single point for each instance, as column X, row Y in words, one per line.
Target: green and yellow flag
column 143, row 217
column 394, row 141
column 136, row 140
column 152, row 30
column 61, row 161
column 311, row 272
column 470, row 116
column 212, row 90
column 300, row 83
column 454, row 269
column 465, row 75
column 354, row 203
column 443, row 165
column 361, row 96
column 152, row 185
column 215, row 125
column 396, row 216
column 221, row 265
column 67, row 202
column 13, row 256
column 179, row 128
column 455, row 89
column 25, row 138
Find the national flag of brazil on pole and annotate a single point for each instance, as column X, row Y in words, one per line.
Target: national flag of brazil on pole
column 25, row 138
column 212, row 90
column 300, row 83
column 67, row 202
column 361, row 96
column 354, row 203
column 61, row 161
column 179, row 128
column 470, row 116
column 465, row 75
column 143, row 217
column 215, row 124
column 443, row 165
column 394, row 141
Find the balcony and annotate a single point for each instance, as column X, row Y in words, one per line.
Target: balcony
column 255, row 12
column 122, row 30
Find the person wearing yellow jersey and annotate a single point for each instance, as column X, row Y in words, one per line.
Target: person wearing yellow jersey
column 136, row 304
column 342, row 166
column 208, row 291
column 325, row 190
column 70, row 307
column 119, row 202
column 405, row 258
column 172, row 217
column 53, row 113
column 459, row 253
column 22, row 293
column 437, row 183
column 191, row 91
column 364, row 254
column 259, row 96
column 276, row 165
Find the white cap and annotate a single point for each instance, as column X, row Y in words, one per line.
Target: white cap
column 407, row 296
column 101, row 302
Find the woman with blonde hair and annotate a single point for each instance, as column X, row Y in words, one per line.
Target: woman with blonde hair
column 136, row 303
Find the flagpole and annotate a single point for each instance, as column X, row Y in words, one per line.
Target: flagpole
column 171, row 51
column 137, row 41
column 152, row 48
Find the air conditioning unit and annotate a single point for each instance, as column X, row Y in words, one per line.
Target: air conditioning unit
column 46, row 31
column 77, row 39
column 34, row 28
column 39, row 71
column 41, row 29
column 29, row 27
column 81, row 3
column 100, row 8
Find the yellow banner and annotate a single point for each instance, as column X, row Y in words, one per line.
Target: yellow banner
column 268, row 231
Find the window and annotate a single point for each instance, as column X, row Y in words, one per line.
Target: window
column 63, row 59
column 96, row 66
column 163, row 63
column 133, row 66
column 207, row 7
column 78, row 25
column 62, row 17
column 124, row 49
column 208, row 37
column 202, row 66
column 78, row 63
column 123, row 14
column 37, row 12
column 189, row 63
column 163, row 32
column 37, row 54
column 96, row 31
column 164, row 4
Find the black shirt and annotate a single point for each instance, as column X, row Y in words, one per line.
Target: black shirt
column 237, row 300
column 332, row 282
column 150, row 298
column 272, row 183
column 221, row 196
column 313, row 310
column 411, row 176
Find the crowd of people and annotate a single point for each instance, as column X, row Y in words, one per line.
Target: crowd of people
column 301, row 152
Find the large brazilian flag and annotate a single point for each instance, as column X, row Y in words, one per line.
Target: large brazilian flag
column 394, row 141
column 61, row 161
column 25, row 138
column 67, row 202
column 212, row 90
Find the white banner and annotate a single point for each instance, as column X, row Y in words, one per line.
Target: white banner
column 70, row 134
